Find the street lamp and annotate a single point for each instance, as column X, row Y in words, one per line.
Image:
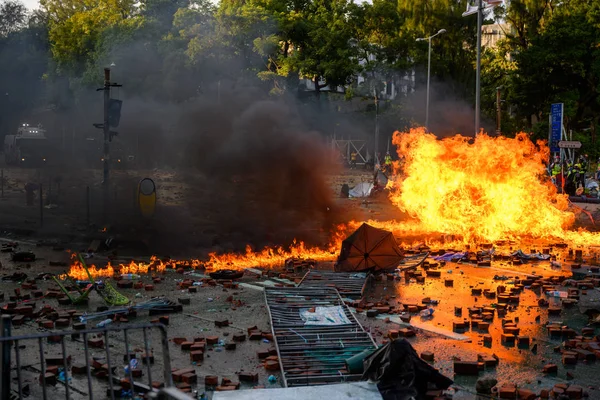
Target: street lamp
column 479, row 8
column 429, row 73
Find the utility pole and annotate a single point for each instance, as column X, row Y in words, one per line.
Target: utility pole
column 377, row 161
column 478, row 79
column 498, row 110
column 106, row 130
column 105, row 126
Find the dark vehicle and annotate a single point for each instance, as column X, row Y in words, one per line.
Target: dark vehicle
column 29, row 147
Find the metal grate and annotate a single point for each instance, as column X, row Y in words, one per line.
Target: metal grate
column 348, row 284
column 313, row 355
column 27, row 359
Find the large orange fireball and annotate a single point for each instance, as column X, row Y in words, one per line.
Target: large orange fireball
column 482, row 188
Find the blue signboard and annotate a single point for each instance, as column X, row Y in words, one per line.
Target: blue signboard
column 556, row 112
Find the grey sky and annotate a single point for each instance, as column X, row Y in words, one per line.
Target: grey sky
column 31, row 4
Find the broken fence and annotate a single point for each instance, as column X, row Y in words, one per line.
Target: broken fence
column 85, row 363
column 349, row 284
column 308, row 354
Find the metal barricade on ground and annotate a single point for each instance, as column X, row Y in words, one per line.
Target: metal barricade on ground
column 105, row 362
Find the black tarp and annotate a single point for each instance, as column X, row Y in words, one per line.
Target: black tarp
column 401, row 374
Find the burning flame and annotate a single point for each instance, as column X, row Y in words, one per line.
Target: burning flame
column 268, row 257
column 78, row 272
column 482, row 189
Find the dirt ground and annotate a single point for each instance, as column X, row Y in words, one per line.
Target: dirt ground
column 184, row 228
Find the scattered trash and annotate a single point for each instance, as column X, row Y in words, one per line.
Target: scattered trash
column 428, row 312
column 23, row 256
column 399, row 359
column 130, row 276
column 133, row 364
column 558, row 293
column 272, row 379
column 104, row 323
column 138, row 295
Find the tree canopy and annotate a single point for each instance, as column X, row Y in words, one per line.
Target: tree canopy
column 176, row 50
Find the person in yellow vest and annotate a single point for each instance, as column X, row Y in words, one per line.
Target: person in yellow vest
column 555, row 167
column 353, row 156
column 388, row 159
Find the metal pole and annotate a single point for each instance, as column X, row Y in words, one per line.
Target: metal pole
column 87, row 205
column 41, row 206
column 477, row 81
column 377, row 161
column 5, row 361
column 428, row 79
column 2, row 182
column 498, row 111
column 106, row 129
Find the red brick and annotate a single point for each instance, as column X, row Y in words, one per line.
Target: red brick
column 248, row 377
column 61, row 322
column 177, row 375
column 507, row 392
column 96, row 343
column 252, row 329
column 212, row 340
column 225, row 388
column 137, row 372
column 186, row 345
column 49, row 378
column 239, row 338
column 229, row 382
column 271, row 365
column 406, row 332
column 78, row 369
column 189, row 378
column 222, row 323
column 211, row 380
column 263, row 354
column 198, row 347
column 149, row 288
column 466, row 368
column 574, row 392
column 525, row 394
column 197, row 355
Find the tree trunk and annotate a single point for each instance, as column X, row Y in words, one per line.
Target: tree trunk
column 286, row 49
column 317, row 91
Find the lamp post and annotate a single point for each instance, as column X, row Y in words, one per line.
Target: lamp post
column 481, row 5
column 429, row 73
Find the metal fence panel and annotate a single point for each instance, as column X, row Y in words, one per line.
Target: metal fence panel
column 89, row 363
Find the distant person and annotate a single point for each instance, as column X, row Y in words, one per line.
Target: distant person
column 388, row 163
column 353, row 157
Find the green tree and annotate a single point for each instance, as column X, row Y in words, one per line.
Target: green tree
column 76, row 28
column 23, row 61
column 13, row 17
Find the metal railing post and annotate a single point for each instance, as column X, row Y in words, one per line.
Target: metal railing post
column 5, row 361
